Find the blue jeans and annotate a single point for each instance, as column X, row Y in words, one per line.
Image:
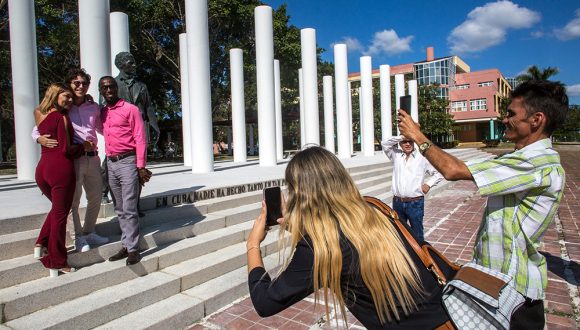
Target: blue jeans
column 412, row 213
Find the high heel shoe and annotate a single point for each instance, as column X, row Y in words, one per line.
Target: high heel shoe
column 40, row 252
column 54, row 272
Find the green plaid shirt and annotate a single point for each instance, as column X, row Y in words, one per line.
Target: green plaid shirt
column 524, row 189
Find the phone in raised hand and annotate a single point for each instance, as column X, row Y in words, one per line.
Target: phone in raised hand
column 273, row 199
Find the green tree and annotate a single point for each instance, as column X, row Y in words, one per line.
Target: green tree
column 434, row 117
column 535, row 73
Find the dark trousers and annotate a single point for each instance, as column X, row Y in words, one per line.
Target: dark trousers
column 412, row 212
column 529, row 316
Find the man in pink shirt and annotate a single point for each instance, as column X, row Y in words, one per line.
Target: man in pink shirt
column 126, row 150
column 85, row 116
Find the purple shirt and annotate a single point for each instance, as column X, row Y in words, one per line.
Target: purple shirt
column 86, row 122
column 124, row 130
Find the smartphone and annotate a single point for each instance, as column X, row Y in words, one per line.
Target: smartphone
column 405, row 103
column 273, row 200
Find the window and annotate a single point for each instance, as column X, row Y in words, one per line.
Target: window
column 465, row 86
column 478, row 104
column 459, row 106
column 482, row 84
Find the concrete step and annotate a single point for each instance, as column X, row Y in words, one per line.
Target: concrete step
column 40, row 299
column 185, row 308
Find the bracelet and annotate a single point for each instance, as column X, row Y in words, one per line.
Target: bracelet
column 254, row 247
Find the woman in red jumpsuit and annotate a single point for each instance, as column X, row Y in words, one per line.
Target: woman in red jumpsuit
column 55, row 176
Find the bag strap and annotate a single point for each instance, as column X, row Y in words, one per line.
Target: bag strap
column 422, row 253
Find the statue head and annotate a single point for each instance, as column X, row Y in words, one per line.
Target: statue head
column 125, row 62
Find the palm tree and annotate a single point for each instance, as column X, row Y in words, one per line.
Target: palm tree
column 535, row 73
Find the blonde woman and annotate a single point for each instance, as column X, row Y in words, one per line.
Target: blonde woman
column 55, row 176
column 344, row 251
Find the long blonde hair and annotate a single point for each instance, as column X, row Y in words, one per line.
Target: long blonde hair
column 51, row 97
column 323, row 201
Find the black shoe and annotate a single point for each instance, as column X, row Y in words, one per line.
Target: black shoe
column 133, row 258
column 122, row 254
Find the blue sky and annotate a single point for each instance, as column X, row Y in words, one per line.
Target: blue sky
column 507, row 35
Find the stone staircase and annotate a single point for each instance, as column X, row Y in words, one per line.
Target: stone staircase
column 194, row 261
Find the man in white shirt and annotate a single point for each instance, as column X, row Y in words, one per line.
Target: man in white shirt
column 409, row 184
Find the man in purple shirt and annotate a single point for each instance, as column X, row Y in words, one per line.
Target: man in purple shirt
column 85, row 117
column 126, row 149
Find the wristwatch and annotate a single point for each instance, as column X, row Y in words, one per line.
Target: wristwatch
column 423, row 147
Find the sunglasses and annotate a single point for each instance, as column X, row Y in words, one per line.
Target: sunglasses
column 80, row 83
column 406, row 141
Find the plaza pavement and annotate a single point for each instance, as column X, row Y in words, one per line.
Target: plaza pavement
column 452, row 218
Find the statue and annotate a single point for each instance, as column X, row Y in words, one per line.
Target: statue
column 135, row 92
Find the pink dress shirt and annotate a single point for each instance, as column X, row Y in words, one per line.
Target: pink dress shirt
column 124, row 131
column 86, row 122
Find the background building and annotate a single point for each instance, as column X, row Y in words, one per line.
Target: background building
column 474, row 96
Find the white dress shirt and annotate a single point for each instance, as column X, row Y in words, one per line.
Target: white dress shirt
column 409, row 174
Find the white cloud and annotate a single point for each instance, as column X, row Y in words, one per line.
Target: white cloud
column 487, row 26
column 573, row 90
column 352, row 44
column 537, row 34
column 571, row 30
column 388, row 42
column 384, row 42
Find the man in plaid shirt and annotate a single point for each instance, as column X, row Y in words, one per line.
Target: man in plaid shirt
column 524, row 190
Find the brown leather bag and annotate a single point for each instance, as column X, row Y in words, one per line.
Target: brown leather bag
column 441, row 267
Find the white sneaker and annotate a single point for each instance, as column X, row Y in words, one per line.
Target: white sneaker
column 94, row 239
column 81, row 244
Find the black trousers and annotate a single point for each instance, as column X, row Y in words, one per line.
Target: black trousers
column 529, row 316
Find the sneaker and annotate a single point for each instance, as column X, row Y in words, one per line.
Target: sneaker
column 94, row 239
column 81, row 244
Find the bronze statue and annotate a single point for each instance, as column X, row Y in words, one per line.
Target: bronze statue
column 135, row 92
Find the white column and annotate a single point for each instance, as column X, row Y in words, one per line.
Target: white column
column 302, row 116
column 310, row 79
column 229, row 130
column 252, row 147
column 386, row 111
column 95, row 46
column 350, row 132
column 342, row 100
column 412, row 84
column 185, row 110
column 24, row 83
column 328, row 113
column 265, row 85
column 238, row 105
column 278, row 105
column 199, row 86
column 399, row 89
column 361, row 115
column 368, row 125
column 119, row 37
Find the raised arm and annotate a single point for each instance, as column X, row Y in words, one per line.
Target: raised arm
column 451, row 167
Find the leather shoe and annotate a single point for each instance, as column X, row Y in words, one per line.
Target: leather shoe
column 133, row 258
column 122, row 254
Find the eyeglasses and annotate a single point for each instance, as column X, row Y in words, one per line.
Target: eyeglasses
column 105, row 87
column 80, row 83
column 406, row 141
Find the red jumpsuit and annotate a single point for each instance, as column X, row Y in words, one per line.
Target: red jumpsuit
column 55, row 176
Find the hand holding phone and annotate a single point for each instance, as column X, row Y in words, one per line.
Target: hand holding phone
column 273, row 199
column 405, row 103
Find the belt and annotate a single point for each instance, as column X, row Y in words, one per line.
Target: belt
column 90, row 153
column 408, row 199
column 118, row 157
